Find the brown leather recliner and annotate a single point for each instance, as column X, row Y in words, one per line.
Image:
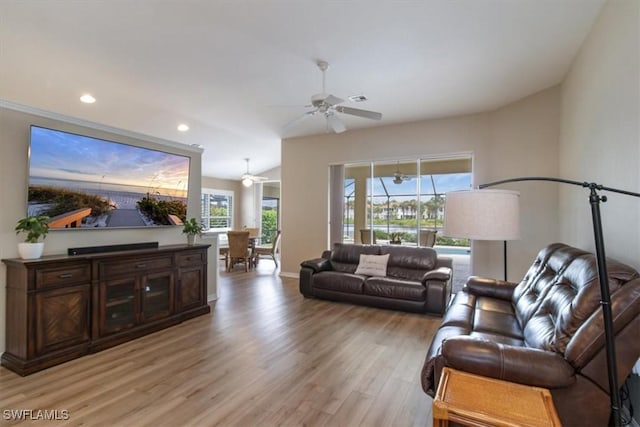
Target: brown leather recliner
column 546, row 331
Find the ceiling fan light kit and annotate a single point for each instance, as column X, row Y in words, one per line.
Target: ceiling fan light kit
column 399, row 177
column 248, row 179
column 327, row 105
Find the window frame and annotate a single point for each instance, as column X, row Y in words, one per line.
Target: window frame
column 205, row 209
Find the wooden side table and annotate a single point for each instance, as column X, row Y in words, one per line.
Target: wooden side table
column 473, row 400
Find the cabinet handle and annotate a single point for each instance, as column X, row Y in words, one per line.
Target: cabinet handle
column 65, row 276
column 141, row 265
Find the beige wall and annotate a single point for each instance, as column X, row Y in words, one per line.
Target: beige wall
column 524, row 142
column 517, row 139
column 600, row 138
column 14, row 144
column 271, row 189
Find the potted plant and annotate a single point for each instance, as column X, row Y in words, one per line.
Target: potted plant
column 192, row 228
column 35, row 226
column 395, row 238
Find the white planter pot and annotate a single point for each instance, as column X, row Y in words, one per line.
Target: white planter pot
column 30, row 250
column 191, row 239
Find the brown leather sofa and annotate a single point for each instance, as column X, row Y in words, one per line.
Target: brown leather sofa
column 546, row 331
column 416, row 278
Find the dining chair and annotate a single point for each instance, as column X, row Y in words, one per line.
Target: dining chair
column 427, row 238
column 223, row 244
column 253, row 232
column 239, row 250
column 270, row 250
column 365, row 236
column 224, row 256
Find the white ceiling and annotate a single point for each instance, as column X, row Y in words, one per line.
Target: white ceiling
column 234, row 70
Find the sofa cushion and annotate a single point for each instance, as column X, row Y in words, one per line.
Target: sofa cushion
column 409, row 263
column 497, row 338
column 345, row 257
column 494, row 304
column 343, row 282
column 496, row 322
column 394, row 288
column 460, row 311
column 373, row 265
column 546, row 270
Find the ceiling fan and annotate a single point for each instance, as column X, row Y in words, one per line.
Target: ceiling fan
column 248, row 179
column 399, row 177
column 327, row 105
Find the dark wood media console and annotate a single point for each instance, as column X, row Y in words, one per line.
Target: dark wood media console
column 63, row 307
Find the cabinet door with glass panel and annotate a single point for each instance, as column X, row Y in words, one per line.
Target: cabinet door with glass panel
column 127, row 302
column 156, row 296
column 119, row 302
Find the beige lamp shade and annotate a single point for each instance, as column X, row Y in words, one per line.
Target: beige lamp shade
column 482, row 214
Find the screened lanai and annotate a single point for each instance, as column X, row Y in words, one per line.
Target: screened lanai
column 395, row 200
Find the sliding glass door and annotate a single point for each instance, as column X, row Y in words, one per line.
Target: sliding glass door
column 401, row 201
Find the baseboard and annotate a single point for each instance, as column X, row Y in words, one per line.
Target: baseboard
column 212, row 297
column 290, row 275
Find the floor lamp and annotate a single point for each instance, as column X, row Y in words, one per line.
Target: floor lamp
column 603, row 276
column 483, row 215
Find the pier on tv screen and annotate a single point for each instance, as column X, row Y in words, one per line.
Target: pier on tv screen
column 84, row 182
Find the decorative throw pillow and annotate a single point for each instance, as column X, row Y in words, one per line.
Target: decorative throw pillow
column 373, row 265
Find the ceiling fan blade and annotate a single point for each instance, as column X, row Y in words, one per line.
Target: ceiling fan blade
column 333, row 100
column 298, row 120
column 360, row 113
column 335, row 124
column 254, row 177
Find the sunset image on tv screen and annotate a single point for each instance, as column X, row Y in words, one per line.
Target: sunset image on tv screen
column 84, row 182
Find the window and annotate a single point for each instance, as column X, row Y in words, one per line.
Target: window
column 400, row 201
column 217, row 209
column 270, row 211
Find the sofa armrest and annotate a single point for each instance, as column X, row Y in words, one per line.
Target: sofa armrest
column 438, row 285
column 443, row 261
column 522, row 365
column 317, row 264
column 483, row 287
column 442, row 273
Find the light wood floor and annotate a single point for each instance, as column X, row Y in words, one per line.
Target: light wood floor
column 264, row 356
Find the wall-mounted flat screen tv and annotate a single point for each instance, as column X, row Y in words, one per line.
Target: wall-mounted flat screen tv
column 84, row 182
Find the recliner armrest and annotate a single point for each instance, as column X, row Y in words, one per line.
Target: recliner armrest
column 522, row 365
column 317, row 264
column 484, row 287
column 442, row 273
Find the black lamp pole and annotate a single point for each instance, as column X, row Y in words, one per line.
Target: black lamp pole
column 504, row 250
column 605, row 295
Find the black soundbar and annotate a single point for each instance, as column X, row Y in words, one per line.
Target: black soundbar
column 111, row 248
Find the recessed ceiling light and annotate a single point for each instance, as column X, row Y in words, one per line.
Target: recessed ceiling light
column 87, row 99
column 182, row 127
